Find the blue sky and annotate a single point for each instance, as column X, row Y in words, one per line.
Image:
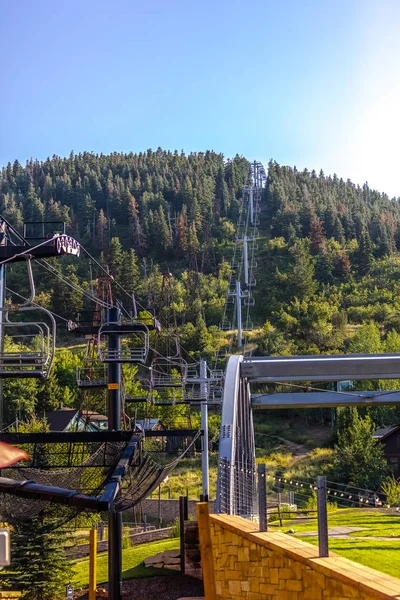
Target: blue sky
column 311, row 83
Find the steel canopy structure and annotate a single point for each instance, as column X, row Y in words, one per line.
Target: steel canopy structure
column 236, row 462
column 335, row 367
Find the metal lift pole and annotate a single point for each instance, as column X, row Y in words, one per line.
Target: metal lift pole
column 114, row 424
column 246, row 261
column 251, row 206
column 204, row 427
column 239, row 313
column 3, row 242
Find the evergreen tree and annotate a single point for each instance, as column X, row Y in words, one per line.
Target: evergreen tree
column 101, row 231
column 50, row 396
column 130, row 275
column 164, row 237
column 359, row 460
column 115, row 258
column 302, row 277
column 317, row 236
column 66, row 300
column 221, row 203
column 40, row 568
column 181, row 236
column 365, row 253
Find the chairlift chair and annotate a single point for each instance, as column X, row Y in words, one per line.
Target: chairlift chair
column 249, row 301
column 92, row 375
column 168, row 372
column 134, row 343
column 31, row 344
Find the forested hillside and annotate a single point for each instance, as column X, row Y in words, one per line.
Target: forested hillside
column 328, row 267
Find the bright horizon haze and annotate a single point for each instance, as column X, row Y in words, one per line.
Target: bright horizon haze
column 313, row 84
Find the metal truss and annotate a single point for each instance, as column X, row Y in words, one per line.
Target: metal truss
column 236, row 464
column 335, row 367
column 236, row 484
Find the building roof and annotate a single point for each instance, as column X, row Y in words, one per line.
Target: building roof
column 93, row 416
column 59, row 419
column 385, row 432
column 148, row 424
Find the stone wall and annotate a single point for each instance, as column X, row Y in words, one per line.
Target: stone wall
column 135, row 539
column 169, row 509
column 10, row 595
column 192, row 550
column 275, row 566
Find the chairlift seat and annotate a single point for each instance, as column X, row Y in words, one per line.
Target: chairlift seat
column 135, row 347
column 91, row 376
column 168, row 372
column 25, row 362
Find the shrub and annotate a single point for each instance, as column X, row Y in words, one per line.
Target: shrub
column 391, row 489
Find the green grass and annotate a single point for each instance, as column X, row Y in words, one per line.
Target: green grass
column 132, row 563
column 376, row 524
column 382, row 556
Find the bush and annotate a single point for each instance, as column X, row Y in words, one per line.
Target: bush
column 391, row 489
column 287, row 509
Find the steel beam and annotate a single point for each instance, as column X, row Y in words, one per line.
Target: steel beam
column 59, row 437
column 323, row 399
column 226, row 458
column 335, row 367
column 37, row 491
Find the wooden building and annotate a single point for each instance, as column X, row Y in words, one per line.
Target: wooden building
column 389, row 437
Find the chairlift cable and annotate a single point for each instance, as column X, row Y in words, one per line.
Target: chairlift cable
column 28, row 250
column 36, row 304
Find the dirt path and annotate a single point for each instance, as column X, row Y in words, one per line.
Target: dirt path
column 298, row 450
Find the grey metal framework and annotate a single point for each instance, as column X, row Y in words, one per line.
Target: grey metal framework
column 236, row 484
column 236, row 463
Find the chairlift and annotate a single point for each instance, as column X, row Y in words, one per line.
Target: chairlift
column 30, row 345
column 168, row 372
column 249, row 301
column 248, row 326
column 92, row 375
column 134, row 343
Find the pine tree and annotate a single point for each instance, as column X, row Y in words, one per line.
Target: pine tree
column 221, row 203
column 192, row 242
column 181, row 236
column 301, row 279
column 130, row 275
column 164, row 237
column 359, row 460
column 66, row 300
column 365, row 253
column 317, row 235
column 136, row 233
column 101, row 231
column 115, row 258
column 51, row 395
column 33, row 207
column 40, row 568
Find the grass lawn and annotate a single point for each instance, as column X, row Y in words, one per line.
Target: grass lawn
column 375, row 523
column 377, row 554
column 132, row 563
column 382, row 556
